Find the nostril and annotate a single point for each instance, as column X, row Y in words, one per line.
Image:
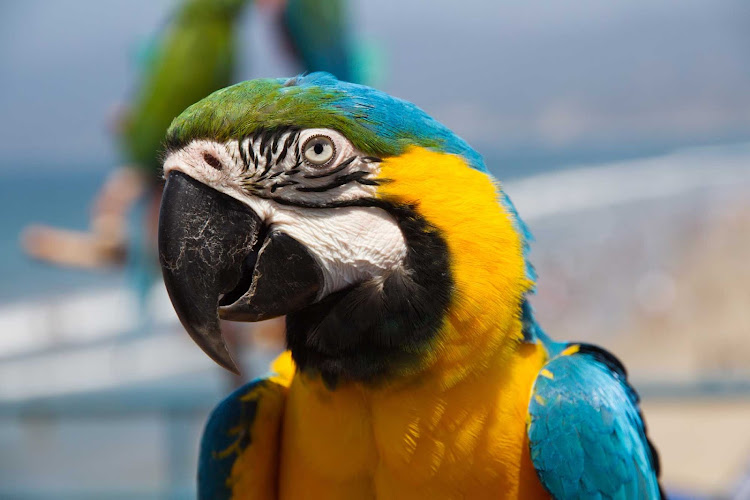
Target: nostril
column 213, row 161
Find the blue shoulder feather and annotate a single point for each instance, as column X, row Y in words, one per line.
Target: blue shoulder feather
column 226, row 435
column 586, row 432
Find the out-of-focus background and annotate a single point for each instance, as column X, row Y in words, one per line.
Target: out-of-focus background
column 620, row 129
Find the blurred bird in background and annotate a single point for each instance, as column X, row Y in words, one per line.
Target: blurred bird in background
column 416, row 368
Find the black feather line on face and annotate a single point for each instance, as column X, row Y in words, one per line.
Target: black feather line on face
column 251, row 152
column 269, row 164
column 287, row 144
column 336, row 170
column 265, row 135
column 367, row 182
column 243, row 156
column 381, row 327
column 338, row 181
column 282, row 184
column 297, row 153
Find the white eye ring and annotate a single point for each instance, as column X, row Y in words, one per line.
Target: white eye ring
column 318, row 150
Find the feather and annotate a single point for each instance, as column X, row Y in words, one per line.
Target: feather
column 586, row 433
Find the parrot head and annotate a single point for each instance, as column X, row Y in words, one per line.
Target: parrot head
column 373, row 228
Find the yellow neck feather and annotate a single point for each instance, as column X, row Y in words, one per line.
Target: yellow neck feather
column 486, row 256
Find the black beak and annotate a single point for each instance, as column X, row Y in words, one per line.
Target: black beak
column 216, row 257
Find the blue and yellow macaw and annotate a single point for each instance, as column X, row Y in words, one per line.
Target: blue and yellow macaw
column 414, row 368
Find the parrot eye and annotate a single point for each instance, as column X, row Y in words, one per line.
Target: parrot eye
column 318, row 150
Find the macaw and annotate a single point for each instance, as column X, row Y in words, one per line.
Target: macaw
column 415, row 368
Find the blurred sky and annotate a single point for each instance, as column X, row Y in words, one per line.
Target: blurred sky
column 535, row 80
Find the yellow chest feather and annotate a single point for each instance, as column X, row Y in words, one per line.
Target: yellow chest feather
column 415, row 441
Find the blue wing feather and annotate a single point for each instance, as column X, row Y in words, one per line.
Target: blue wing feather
column 225, row 436
column 586, row 433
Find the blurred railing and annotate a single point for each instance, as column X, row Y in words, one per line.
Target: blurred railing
column 180, row 414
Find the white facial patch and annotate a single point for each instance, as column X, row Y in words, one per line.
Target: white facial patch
column 351, row 243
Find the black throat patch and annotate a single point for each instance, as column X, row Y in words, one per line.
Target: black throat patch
column 381, row 327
